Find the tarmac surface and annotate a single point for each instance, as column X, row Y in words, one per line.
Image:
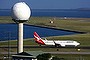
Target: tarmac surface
column 36, row 46
column 82, row 53
column 68, row 52
column 57, row 52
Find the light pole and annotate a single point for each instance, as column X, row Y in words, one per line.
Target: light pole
column 9, row 35
column 20, row 14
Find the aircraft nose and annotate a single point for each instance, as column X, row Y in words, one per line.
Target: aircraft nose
column 78, row 43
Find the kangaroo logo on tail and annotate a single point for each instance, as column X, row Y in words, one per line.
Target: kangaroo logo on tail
column 38, row 39
column 36, row 36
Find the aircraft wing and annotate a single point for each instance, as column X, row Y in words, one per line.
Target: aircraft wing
column 56, row 44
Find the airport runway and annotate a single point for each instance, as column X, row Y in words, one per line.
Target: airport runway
column 68, row 52
column 82, row 53
column 36, row 46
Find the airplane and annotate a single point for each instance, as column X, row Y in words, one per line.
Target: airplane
column 55, row 43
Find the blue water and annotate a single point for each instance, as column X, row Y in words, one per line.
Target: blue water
column 9, row 31
column 54, row 13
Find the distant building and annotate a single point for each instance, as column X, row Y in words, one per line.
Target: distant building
column 27, row 55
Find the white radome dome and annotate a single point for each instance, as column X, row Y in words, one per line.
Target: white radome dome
column 21, row 11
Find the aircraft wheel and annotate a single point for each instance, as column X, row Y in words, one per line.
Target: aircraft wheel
column 39, row 45
column 57, row 45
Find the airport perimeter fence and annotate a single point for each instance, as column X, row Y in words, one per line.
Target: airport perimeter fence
column 6, row 36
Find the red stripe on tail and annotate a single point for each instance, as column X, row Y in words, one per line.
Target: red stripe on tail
column 38, row 39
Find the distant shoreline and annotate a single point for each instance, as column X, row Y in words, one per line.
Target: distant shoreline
column 72, row 13
column 58, row 9
column 56, row 29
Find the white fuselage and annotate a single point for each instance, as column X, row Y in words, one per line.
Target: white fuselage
column 61, row 43
column 47, row 42
column 54, row 42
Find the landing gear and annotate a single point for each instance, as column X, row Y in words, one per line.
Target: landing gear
column 57, row 45
column 39, row 45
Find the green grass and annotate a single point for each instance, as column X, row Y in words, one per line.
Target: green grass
column 6, row 19
column 69, row 24
column 75, row 24
column 83, row 39
column 73, row 57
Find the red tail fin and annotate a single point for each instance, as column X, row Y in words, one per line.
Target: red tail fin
column 36, row 35
column 38, row 39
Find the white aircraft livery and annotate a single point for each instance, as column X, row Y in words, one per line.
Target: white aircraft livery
column 54, row 42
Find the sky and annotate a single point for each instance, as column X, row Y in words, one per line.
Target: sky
column 48, row 4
